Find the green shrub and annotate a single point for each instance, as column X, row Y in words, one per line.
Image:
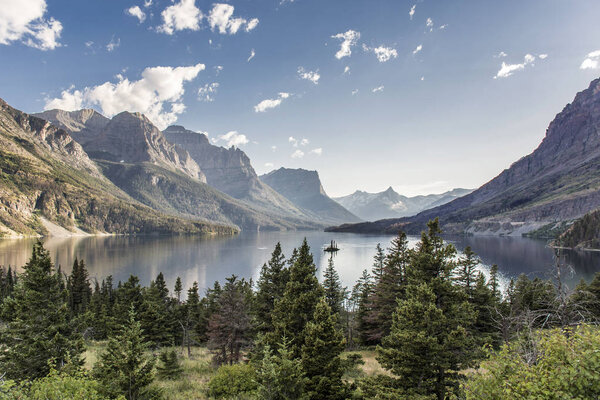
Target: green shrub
column 562, row 365
column 233, row 381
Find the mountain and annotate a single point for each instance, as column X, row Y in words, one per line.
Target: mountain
column 83, row 125
column 558, row 182
column 49, row 185
column 304, row 189
column 230, row 171
column 390, row 204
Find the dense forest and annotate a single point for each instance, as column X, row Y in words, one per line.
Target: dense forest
column 439, row 329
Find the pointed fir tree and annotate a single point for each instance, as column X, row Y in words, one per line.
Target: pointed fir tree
column 155, row 318
column 332, row 286
column 466, row 273
column 302, row 294
column 271, row 285
column 80, row 291
column 38, row 335
column 124, row 368
column 280, row 377
column 169, row 366
column 321, row 362
column 178, row 289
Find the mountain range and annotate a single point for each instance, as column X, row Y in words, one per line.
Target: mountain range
column 559, row 181
column 390, row 204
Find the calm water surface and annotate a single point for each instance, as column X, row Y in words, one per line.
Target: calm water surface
column 208, row 259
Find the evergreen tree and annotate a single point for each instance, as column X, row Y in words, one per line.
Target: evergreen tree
column 178, row 289
column 189, row 317
column 38, row 335
column 209, row 305
column 124, row 368
column 321, row 361
column 169, row 366
column 297, row 307
column 80, row 291
column 127, row 295
column 362, row 292
column 466, row 272
column 429, row 340
column 494, row 282
column 271, row 286
column 229, row 327
column 332, row 286
column 154, row 316
column 280, row 376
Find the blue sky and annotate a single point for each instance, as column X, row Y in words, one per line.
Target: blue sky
column 421, row 106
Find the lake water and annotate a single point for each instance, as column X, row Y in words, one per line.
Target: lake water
column 208, row 259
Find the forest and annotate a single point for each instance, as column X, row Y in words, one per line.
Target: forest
column 422, row 323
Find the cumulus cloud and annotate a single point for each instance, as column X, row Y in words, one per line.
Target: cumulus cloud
column 233, row 138
column 418, row 49
column 293, row 141
column 147, row 3
column 429, row 24
column 137, row 12
column 312, row 76
column 181, row 16
column 382, row 53
column 354, row 92
column 507, row 70
column 24, row 21
column 221, row 19
column 271, row 103
column 592, row 61
column 113, row 44
column 207, row 92
column 298, row 154
column 252, row 54
column 318, row 151
column 347, row 70
column 378, row 89
column 349, row 39
column 411, row 13
column 543, row 56
column 157, row 94
column 500, row 55
column 304, row 142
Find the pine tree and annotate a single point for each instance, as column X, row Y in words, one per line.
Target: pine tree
column 169, row 366
column 189, row 318
column 154, row 316
column 429, row 341
column 127, row 295
column 466, row 272
column 178, row 289
column 124, row 368
column 80, row 291
column 38, row 335
column 494, row 282
column 321, row 362
column 302, row 294
column 332, row 286
column 271, row 286
column 280, row 376
column 229, row 327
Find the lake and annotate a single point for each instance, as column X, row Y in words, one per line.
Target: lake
column 208, row 259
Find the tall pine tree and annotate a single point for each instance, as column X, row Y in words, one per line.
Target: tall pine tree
column 271, row 285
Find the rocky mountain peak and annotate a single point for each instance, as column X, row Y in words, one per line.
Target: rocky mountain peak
column 84, row 125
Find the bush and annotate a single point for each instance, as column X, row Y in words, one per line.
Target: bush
column 564, row 365
column 233, row 381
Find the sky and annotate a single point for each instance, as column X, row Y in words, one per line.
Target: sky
column 423, row 96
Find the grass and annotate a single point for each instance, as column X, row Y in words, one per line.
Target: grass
column 198, row 370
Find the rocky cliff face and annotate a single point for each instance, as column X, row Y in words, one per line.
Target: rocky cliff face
column 304, row 189
column 230, row 171
column 390, row 204
column 132, row 138
column 83, row 125
column 559, row 181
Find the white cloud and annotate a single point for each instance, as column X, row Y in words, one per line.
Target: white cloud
column 318, row 151
column 207, row 92
column 500, row 55
column 418, row 49
column 221, row 19
column 411, row 13
column 378, row 89
column 443, row 27
column 252, row 54
column 233, row 138
column 543, row 56
column 354, row 92
column 385, row 53
column 507, row 70
column 24, row 21
column 349, row 39
column 89, row 44
column 271, row 103
column 113, row 44
column 180, row 16
column 304, row 142
column 347, row 70
column 293, row 141
column 158, row 89
column 422, row 78
column 147, row 3
column 273, row 148
column 137, row 12
column 218, row 69
column 592, row 61
column 269, row 165
column 429, row 24
column 312, row 76
column 298, row 154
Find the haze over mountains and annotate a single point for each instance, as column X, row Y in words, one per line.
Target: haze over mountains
column 390, row 204
column 558, row 182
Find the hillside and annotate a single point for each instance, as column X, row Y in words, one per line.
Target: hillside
column 304, row 189
column 47, row 182
column 584, row 233
column 390, row 204
column 558, row 182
